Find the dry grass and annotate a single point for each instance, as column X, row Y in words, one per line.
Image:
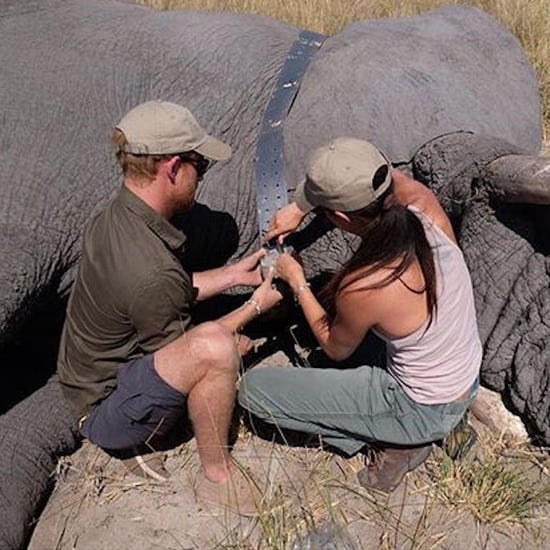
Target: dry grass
column 313, row 496
column 498, row 485
column 495, row 485
column 529, row 21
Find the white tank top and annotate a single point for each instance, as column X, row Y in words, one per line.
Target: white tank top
column 439, row 365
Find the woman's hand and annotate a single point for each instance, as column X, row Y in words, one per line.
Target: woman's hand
column 290, row 270
column 285, row 220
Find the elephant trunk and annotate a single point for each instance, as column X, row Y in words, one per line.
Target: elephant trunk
column 519, row 179
column 34, row 434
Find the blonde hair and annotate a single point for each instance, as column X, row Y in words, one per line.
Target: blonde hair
column 139, row 167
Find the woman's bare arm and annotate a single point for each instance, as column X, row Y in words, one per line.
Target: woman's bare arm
column 356, row 312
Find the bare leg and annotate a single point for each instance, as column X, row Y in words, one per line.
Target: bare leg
column 211, row 405
column 203, row 363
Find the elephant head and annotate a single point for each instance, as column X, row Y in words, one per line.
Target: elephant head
column 71, row 68
column 499, row 200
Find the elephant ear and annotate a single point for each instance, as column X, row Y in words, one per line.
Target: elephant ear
column 452, row 164
column 32, row 443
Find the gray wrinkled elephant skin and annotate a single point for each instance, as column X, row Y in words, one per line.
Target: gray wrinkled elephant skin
column 71, row 68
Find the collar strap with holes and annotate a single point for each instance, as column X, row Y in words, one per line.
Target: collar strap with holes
column 271, row 190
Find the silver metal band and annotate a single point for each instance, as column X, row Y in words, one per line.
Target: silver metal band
column 271, row 190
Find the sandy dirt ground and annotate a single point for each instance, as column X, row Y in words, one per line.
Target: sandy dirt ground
column 97, row 507
column 313, row 501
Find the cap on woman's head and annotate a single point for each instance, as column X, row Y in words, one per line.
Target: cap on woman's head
column 164, row 128
column 346, row 174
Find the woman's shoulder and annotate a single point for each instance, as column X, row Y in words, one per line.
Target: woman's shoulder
column 422, row 201
column 366, row 279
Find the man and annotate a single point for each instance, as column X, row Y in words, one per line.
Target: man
column 129, row 359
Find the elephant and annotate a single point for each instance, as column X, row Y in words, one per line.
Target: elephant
column 448, row 95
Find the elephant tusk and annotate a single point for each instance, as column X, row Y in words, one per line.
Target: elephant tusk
column 489, row 409
column 520, row 179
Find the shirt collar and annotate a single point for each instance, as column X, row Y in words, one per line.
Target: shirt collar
column 174, row 238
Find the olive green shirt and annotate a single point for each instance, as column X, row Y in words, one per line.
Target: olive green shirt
column 131, row 296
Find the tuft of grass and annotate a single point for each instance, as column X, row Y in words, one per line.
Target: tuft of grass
column 495, row 488
column 528, row 21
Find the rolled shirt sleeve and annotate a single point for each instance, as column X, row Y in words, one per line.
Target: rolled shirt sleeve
column 161, row 309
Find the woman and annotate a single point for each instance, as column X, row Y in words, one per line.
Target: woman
column 408, row 283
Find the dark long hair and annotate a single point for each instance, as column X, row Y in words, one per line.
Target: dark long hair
column 393, row 232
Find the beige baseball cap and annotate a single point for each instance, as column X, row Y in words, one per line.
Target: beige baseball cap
column 346, row 174
column 164, row 128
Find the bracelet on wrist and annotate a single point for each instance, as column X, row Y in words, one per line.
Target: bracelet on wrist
column 301, row 289
column 257, row 307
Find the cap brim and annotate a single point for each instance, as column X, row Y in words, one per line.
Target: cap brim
column 300, row 198
column 214, row 149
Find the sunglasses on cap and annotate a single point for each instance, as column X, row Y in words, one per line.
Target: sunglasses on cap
column 200, row 163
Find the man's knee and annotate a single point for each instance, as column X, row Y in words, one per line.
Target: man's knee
column 206, row 347
column 213, row 343
column 202, row 352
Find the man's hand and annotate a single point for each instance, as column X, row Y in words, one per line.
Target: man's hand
column 244, row 344
column 285, row 221
column 263, row 299
column 267, row 295
column 246, row 272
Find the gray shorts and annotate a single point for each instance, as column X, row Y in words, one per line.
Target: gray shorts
column 349, row 408
column 142, row 409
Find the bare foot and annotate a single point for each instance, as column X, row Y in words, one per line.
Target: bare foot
column 239, row 494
